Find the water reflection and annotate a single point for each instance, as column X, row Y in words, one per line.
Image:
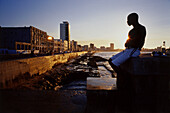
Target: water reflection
column 106, row 55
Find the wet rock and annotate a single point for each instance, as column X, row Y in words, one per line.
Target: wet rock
column 50, row 79
column 98, row 58
column 92, row 63
column 79, row 100
column 41, row 82
column 70, row 68
column 57, row 88
column 62, row 74
column 83, row 63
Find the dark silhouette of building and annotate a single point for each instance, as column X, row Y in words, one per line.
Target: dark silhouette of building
column 65, row 32
column 92, row 46
column 24, row 38
column 111, row 46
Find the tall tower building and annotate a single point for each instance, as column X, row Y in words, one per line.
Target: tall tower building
column 65, row 32
column 111, row 46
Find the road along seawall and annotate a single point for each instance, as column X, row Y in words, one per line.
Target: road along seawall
column 10, row 71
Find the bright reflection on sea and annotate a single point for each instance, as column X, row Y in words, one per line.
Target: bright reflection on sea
column 107, row 55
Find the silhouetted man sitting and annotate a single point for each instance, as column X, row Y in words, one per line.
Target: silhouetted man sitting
column 134, row 43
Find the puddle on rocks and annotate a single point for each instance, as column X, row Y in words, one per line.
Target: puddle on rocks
column 104, row 72
column 105, row 81
column 100, row 78
column 105, row 64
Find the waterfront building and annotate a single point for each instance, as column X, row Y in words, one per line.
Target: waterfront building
column 58, row 45
column 50, row 43
column 92, row 47
column 85, row 48
column 75, row 46
column 24, row 39
column 79, row 47
column 111, row 46
column 65, row 32
column 108, row 48
column 72, row 45
column 102, row 48
column 64, row 45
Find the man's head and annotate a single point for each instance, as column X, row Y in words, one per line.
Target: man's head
column 132, row 19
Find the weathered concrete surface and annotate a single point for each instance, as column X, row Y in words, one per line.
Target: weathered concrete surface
column 145, row 65
column 101, row 91
column 151, row 74
column 76, row 69
column 147, row 80
column 102, row 83
column 70, row 98
column 105, row 81
column 143, row 87
column 35, row 101
column 11, row 70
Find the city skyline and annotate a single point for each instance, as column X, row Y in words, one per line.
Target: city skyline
column 98, row 21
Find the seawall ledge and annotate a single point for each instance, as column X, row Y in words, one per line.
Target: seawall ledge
column 145, row 75
column 147, row 65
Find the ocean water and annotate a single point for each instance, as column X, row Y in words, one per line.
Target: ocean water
column 107, row 55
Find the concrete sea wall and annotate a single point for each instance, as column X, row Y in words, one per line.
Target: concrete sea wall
column 10, row 70
column 145, row 74
column 145, row 81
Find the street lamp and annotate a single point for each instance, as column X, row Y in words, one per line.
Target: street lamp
column 50, row 44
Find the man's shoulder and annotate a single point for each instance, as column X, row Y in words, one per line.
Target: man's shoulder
column 142, row 27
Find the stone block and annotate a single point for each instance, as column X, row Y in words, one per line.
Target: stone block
column 145, row 75
column 101, row 83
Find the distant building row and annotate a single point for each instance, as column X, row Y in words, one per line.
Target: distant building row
column 111, row 48
column 28, row 38
column 19, row 39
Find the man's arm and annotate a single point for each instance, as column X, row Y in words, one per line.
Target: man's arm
column 127, row 44
column 138, row 40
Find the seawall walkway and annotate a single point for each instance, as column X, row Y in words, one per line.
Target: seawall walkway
column 11, row 71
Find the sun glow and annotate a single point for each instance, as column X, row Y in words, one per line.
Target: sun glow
column 50, row 38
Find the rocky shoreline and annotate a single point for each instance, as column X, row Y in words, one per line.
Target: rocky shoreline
column 63, row 89
column 76, row 69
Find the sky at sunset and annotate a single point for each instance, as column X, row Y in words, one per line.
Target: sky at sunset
column 96, row 21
